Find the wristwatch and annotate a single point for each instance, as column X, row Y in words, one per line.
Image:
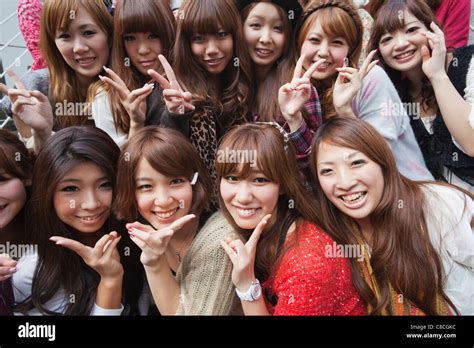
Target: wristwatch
column 252, row 294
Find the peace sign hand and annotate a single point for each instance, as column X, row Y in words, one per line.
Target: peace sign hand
column 134, row 101
column 177, row 100
column 102, row 258
column 434, row 63
column 31, row 107
column 154, row 243
column 349, row 82
column 243, row 256
column 292, row 96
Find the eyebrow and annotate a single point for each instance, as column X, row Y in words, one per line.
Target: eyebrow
column 74, row 180
column 348, row 157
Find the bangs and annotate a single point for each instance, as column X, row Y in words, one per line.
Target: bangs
column 166, row 159
column 243, row 153
column 142, row 17
column 8, row 163
column 392, row 17
column 206, row 17
column 336, row 23
column 61, row 14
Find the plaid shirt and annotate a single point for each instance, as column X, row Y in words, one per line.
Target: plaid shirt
column 302, row 138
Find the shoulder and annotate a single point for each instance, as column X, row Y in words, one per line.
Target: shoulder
column 214, row 230
column 446, row 208
column 310, row 252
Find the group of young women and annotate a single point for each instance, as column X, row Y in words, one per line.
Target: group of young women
column 253, row 149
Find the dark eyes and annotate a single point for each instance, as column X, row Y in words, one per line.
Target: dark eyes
column 230, row 178
column 89, row 33
column 129, row 38
column 176, row 181
column 358, row 162
column 70, row 189
column 412, row 29
column 197, row 38
column 222, row 34
column 106, row 185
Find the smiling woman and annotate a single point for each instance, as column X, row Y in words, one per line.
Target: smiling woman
column 418, row 234
column 279, row 223
column 163, row 193
column 73, row 185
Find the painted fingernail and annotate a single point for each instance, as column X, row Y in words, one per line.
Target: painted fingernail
column 101, row 77
column 105, row 68
column 12, row 270
column 132, row 235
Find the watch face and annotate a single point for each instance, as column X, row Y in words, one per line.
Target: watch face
column 256, row 291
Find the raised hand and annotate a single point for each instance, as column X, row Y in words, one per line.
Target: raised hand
column 348, row 83
column 103, row 257
column 154, row 243
column 434, row 63
column 134, row 102
column 177, row 100
column 7, row 266
column 292, row 96
column 243, row 256
column 31, row 107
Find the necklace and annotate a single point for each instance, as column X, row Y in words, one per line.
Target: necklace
column 179, row 252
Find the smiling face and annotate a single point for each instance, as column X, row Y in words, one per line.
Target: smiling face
column 319, row 45
column 401, row 49
column 83, row 46
column 249, row 199
column 143, row 50
column 12, row 198
column 83, row 198
column 350, row 180
column 161, row 200
column 213, row 52
column 264, row 34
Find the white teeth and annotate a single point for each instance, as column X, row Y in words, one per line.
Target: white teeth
column 166, row 215
column 355, row 197
column 246, row 212
column 404, row 55
column 89, row 218
column 85, row 60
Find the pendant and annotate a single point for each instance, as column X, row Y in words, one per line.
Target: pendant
column 178, row 256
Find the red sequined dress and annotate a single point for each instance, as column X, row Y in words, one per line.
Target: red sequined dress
column 306, row 281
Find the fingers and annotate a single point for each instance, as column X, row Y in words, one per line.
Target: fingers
column 253, row 240
column 299, row 67
column 3, row 89
column 141, row 244
column 160, row 79
column 140, row 226
column 169, row 72
column 15, row 93
column 112, row 246
column 229, row 251
column 16, row 80
column 425, row 53
column 367, row 61
column 122, row 91
column 313, row 68
column 71, row 244
column 40, row 96
column 178, row 224
column 115, row 77
column 140, row 93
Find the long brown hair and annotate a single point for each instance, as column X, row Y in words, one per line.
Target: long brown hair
column 63, row 83
column 279, row 166
column 388, row 21
column 340, row 19
column 205, row 17
column 265, row 104
column 61, row 268
column 169, row 153
column 137, row 16
column 402, row 254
